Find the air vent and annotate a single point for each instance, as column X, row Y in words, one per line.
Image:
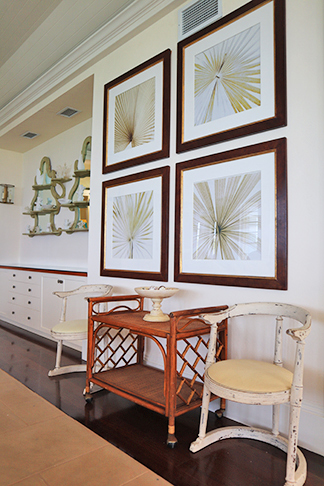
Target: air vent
column 29, row 135
column 197, row 15
column 68, row 112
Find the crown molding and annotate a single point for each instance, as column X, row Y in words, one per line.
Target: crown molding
column 93, row 47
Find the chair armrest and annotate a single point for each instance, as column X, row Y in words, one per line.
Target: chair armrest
column 64, row 293
column 300, row 333
column 87, row 290
column 216, row 317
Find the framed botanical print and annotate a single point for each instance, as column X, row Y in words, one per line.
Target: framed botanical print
column 231, row 218
column 232, row 76
column 135, row 231
column 137, row 115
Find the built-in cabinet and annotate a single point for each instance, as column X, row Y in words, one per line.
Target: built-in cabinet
column 24, row 298
column 27, row 298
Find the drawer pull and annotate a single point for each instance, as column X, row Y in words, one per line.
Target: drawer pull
column 29, row 302
column 13, row 298
column 30, row 277
column 13, row 286
column 12, row 312
column 60, row 281
column 29, row 290
column 13, row 274
column 28, row 318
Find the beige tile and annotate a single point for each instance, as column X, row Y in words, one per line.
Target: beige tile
column 9, row 422
column 5, row 378
column 32, row 481
column 148, row 479
column 107, row 466
column 40, row 446
column 26, row 404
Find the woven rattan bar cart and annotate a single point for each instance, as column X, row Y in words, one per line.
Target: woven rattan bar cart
column 117, row 339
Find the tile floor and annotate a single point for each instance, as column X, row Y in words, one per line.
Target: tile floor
column 41, row 446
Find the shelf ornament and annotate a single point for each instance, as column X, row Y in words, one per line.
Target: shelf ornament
column 50, row 196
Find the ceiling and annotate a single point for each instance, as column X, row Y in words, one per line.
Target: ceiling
column 46, row 123
column 35, row 35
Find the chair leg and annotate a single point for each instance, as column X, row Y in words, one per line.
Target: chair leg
column 62, row 370
column 199, row 442
column 204, row 412
column 275, row 419
column 58, row 354
column 59, row 348
column 292, row 445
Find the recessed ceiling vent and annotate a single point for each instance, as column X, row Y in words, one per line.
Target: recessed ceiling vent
column 197, row 15
column 29, row 135
column 68, row 112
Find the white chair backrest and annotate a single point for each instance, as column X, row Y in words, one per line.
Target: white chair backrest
column 96, row 290
column 262, row 308
column 270, row 308
column 278, row 310
column 99, row 290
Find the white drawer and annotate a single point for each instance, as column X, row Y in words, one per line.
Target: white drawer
column 27, row 277
column 28, row 317
column 26, row 289
column 28, row 301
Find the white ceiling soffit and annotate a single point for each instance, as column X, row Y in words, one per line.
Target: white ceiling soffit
column 135, row 14
column 47, row 122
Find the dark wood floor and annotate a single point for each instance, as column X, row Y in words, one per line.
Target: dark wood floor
column 141, row 433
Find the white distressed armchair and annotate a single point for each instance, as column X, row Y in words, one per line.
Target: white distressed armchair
column 73, row 330
column 259, row 383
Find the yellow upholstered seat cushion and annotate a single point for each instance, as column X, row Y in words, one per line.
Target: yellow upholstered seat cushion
column 68, row 327
column 250, row 376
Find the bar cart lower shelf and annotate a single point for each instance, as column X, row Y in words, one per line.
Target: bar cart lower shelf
column 116, row 343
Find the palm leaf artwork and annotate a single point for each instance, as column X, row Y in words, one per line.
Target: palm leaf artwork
column 132, row 232
column 228, row 77
column 227, row 218
column 135, row 116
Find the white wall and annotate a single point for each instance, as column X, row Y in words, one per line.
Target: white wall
column 11, row 172
column 304, row 133
column 305, row 195
column 66, row 250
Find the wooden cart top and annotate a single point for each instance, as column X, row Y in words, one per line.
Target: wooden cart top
column 182, row 325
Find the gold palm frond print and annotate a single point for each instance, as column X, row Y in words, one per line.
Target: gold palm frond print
column 226, row 223
column 133, row 226
column 135, row 116
column 228, row 77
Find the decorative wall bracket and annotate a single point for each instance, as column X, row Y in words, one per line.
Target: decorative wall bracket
column 44, row 205
column 50, row 197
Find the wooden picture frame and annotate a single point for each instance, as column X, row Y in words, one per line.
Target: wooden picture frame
column 137, row 115
column 232, row 76
column 135, row 226
column 231, row 218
